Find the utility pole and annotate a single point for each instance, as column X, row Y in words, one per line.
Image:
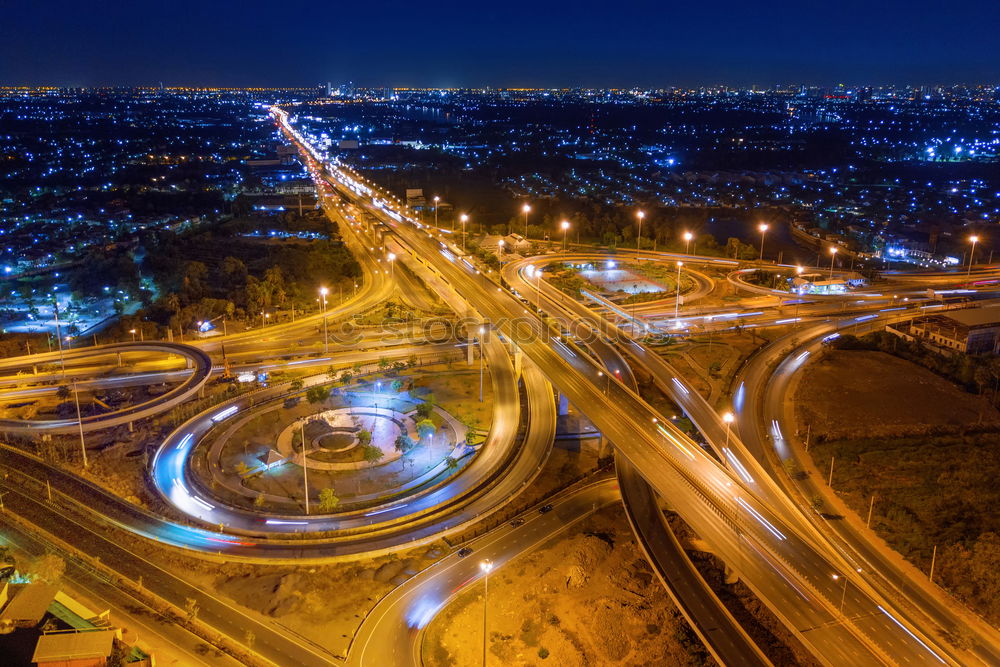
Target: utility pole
column 930, row 577
column 871, row 506
column 829, row 482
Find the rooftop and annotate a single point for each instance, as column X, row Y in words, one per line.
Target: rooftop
column 61, row 646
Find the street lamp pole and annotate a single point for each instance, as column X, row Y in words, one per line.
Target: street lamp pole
column 677, row 301
column 526, row 209
column 305, row 465
column 975, row 240
column 326, row 339
column 485, row 566
column 763, row 230
column 436, row 200
column 728, row 418
column 79, row 421
column 565, row 227
column 687, row 242
column 464, row 218
column 833, row 255
column 392, row 265
column 482, row 332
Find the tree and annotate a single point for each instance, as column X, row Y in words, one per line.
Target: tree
column 383, row 363
column 397, row 385
column 63, row 392
column 451, row 462
column 404, row 443
column 364, row 437
column 328, row 501
column 47, row 567
column 346, row 377
column 242, row 468
column 317, row 394
column 191, row 608
column 373, row 454
column 297, row 384
column 258, row 501
column 426, row 428
column 425, row 410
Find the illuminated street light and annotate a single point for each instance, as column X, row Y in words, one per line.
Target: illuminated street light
column 132, row 331
column 392, row 265
column 687, row 242
column 326, row 339
column 464, row 218
column 564, row 225
column 729, row 418
column 486, row 566
column 638, row 238
column 833, row 256
column 763, row 227
column 974, row 239
column 526, row 209
column 436, row 200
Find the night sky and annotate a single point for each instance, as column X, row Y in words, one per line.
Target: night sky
column 540, row 43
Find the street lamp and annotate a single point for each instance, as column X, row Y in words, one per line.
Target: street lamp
column 564, row 225
column 436, row 200
column 638, row 238
column 132, row 331
column 974, row 239
column 326, row 339
column 833, row 256
column 763, row 229
column 677, row 301
column 392, row 265
column 728, row 418
column 500, row 251
column 687, row 242
column 526, row 209
column 464, row 218
column 485, row 566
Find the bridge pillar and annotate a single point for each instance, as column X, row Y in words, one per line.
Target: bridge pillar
column 189, row 362
column 604, row 447
column 119, row 355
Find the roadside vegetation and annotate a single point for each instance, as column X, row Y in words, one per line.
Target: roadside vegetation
column 918, row 450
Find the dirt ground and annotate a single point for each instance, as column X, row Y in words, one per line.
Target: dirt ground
column 587, row 597
column 859, row 393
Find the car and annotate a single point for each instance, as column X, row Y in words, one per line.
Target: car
column 544, row 508
column 517, row 522
column 464, row 551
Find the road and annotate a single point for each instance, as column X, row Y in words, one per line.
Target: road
column 391, row 633
column 766, row 379
column 271, row 643
column 790, row 573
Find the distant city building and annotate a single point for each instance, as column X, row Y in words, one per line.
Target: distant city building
column 415, row 199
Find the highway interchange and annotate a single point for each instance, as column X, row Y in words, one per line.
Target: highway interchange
column 825, row 580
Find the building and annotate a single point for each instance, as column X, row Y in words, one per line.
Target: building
column 971, row 330
column 75, row 649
